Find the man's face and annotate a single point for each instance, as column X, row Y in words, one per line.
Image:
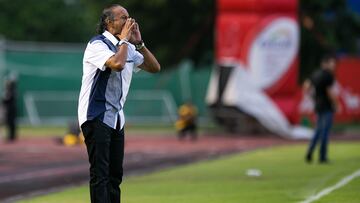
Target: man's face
column 329, row 64
column 120, row 17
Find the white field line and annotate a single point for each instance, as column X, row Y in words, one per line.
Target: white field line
column 328, row 190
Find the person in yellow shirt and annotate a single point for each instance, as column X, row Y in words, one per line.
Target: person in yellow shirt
column 73, row 136
column 186, row 123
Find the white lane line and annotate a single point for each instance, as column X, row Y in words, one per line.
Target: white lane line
column 328, row 190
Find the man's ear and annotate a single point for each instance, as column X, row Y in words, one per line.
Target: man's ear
column 108, row 21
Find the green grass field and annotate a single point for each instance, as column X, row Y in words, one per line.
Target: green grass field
column 285, row 178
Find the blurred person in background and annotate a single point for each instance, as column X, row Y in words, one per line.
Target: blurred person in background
column 186, row 123
column 9, row 103
column 320, row 87
column 72, row 137
column 109, row 60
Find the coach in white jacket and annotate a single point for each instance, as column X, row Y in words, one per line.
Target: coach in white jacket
column 109, row 60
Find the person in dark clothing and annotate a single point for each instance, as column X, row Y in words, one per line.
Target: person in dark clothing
column 9, row 102
column 320, row 86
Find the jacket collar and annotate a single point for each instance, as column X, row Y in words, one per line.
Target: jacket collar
column 110, row 37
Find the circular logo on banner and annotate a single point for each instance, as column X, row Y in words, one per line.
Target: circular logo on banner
column 273, row 51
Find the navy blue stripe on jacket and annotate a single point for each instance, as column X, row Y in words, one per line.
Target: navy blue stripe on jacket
column 97, row 100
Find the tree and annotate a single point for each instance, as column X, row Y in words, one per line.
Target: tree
column 172, row 29
column 326, row 26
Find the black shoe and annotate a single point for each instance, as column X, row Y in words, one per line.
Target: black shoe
column 324, row 161
column 308, row 158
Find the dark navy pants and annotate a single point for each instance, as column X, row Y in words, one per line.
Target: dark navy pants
column 105, row 147
column 323, row 126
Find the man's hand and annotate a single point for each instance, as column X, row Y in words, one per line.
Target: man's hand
column 136, row 35
column 307, row 87
column 331, row 92
column 126, row 31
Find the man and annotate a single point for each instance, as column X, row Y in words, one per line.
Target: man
column 9, row 102
column 108, row 63
column 321, row 85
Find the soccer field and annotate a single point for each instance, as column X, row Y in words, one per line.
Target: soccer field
column 285, row 177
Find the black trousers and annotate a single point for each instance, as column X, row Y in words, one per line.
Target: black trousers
column 11, row 127
column 105, row 147
column 191, row 128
